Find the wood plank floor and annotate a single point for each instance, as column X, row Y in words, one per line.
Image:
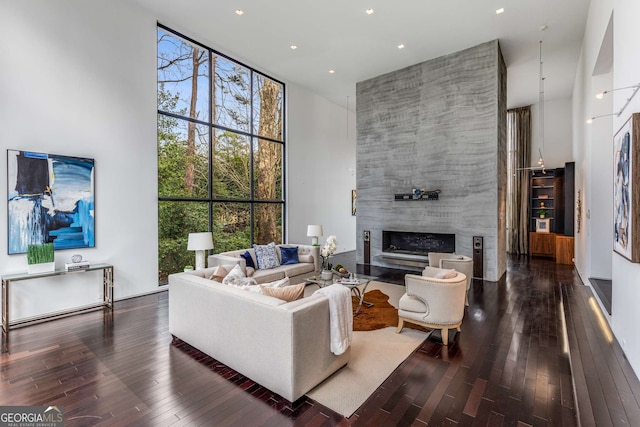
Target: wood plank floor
column 508, row 366
column 608, row 391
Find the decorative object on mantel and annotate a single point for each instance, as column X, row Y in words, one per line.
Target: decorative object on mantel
column 329, row 248
column 314, row 231
column 40, row 258
column 200, row 242
column 419, row 194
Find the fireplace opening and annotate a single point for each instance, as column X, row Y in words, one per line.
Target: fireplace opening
column 414, row 243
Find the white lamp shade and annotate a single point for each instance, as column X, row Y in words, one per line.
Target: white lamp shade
column 314, row 230
column 200, row 241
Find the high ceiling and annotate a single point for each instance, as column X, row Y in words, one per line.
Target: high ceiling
column 339, row 35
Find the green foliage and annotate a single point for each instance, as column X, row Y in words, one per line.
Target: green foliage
column 183, row 154
column 40, row 253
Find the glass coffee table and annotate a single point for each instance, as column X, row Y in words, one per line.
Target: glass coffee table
column 353, row 284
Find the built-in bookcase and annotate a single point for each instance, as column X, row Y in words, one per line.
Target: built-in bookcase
column 547, row 193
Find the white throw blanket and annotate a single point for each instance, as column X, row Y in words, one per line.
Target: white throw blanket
column 340, row 316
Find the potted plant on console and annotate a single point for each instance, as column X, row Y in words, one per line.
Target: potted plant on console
column 329, row 248
column 542, row 212
column 40, row 258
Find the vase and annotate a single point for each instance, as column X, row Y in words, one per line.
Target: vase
column 45, row 267
column 326, row 274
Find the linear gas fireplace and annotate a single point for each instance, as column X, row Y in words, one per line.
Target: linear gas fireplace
column 413, row 243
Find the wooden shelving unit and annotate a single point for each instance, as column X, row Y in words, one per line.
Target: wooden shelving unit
column 546, row 192
column 552, row 191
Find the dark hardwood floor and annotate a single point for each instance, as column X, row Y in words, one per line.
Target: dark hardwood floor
column 509, row 366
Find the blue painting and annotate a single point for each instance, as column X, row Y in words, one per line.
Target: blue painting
column 51, row 200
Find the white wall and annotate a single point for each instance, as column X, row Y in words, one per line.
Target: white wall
column 557, row 133
column 590, row 146
column 321, row 168
column 626, row 275
column 320, row 155
column 581, row 240
column 600, row 181
column 77, row 79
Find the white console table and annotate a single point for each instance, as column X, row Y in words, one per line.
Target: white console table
column 7, row 280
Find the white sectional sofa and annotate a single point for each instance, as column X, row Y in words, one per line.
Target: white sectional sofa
column 284, row 346
column 309, row 264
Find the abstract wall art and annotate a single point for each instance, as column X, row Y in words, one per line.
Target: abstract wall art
column 626, row 184
column 50, row 200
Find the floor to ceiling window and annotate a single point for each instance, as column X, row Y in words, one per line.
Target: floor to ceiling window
column 220, row 151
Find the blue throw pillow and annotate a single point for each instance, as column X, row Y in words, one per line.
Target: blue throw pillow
column 289, row 256
column 247, row 257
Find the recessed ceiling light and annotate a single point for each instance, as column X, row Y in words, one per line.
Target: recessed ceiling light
column 239, row 12
column 543, row 27
column 370, row 11
column 332, row 71
column 294, row 47
column 400, row 46
column 499, row 11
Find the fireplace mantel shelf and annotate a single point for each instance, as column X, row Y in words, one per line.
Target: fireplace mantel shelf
column 409, row 196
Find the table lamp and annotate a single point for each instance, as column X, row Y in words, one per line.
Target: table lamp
column 200, row 242
column 314, row 231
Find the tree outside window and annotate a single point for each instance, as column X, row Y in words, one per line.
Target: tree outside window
column 220, row 152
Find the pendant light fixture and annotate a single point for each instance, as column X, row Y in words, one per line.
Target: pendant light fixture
column 541, row 113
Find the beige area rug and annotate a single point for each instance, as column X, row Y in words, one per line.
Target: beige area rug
column 374, row 356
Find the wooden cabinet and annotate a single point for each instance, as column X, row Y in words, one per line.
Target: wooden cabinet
column 564, row 249
column 552, row 245
column 542, row 244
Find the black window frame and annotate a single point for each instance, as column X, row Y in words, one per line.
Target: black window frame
column 252, row 135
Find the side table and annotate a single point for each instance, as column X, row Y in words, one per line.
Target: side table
column 7, row 280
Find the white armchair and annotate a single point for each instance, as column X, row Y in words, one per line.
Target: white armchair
column 461, row 263
column 432, row 302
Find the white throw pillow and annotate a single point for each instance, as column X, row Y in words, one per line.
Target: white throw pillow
column 444, row 274
column 278, row 283
column 235, row 273
column 266, row 256
column 253, row 288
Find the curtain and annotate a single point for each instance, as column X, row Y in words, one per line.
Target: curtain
column 519, row 160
